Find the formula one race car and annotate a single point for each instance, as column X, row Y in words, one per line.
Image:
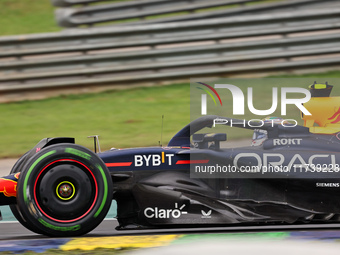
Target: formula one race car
column 291, row 175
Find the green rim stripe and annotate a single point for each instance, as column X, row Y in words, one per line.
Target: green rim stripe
column 105, row 191
column 30, row 170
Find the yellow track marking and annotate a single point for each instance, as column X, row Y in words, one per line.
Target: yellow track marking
column 143, row 241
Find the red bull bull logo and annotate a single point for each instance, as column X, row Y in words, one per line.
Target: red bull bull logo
column 335, row 117
column 8, row 185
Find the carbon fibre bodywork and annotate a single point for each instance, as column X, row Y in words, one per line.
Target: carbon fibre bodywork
column 153, row 186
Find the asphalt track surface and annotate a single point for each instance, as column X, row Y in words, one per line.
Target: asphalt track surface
column 324, row 240
column 12, row 230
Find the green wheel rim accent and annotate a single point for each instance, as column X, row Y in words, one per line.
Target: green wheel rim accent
column 30, row 171
column 105, row 191
column 73, row 190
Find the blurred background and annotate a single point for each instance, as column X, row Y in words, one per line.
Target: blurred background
column 114, row 68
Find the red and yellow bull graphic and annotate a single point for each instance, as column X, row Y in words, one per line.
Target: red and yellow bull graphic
column 8, row 185
column 325, row 110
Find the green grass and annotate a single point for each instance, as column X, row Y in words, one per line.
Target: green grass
column 122, row 118
column 127, row 118
column 26, row 16
column 319, row 76
column 37, row 16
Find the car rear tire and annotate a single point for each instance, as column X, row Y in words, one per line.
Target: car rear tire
column 64, row 190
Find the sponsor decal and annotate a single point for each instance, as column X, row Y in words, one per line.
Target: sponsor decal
column 328, row 184
column 296, row 161
column 289, row 141
column 8, row 187
column 153, row 159
column 206, row 215
column 335, row 117
column 160, row 213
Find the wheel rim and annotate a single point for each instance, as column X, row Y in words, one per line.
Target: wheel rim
column 65, row 190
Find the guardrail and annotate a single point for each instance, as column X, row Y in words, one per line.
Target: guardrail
column 224, row 46
column 125, row 11
column 80, row 40
column 153, row 11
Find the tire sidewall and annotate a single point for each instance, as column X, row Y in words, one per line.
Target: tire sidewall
column 29, row 207
column 14, row 207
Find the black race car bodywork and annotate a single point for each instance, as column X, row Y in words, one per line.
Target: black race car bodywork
column 156, row 189
column 62, row 189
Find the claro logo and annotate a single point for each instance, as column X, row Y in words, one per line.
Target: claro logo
column 159, row 213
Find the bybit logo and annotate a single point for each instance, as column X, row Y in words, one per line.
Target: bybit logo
column 153, row 159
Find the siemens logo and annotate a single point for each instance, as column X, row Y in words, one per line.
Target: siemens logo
column 328, row 184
